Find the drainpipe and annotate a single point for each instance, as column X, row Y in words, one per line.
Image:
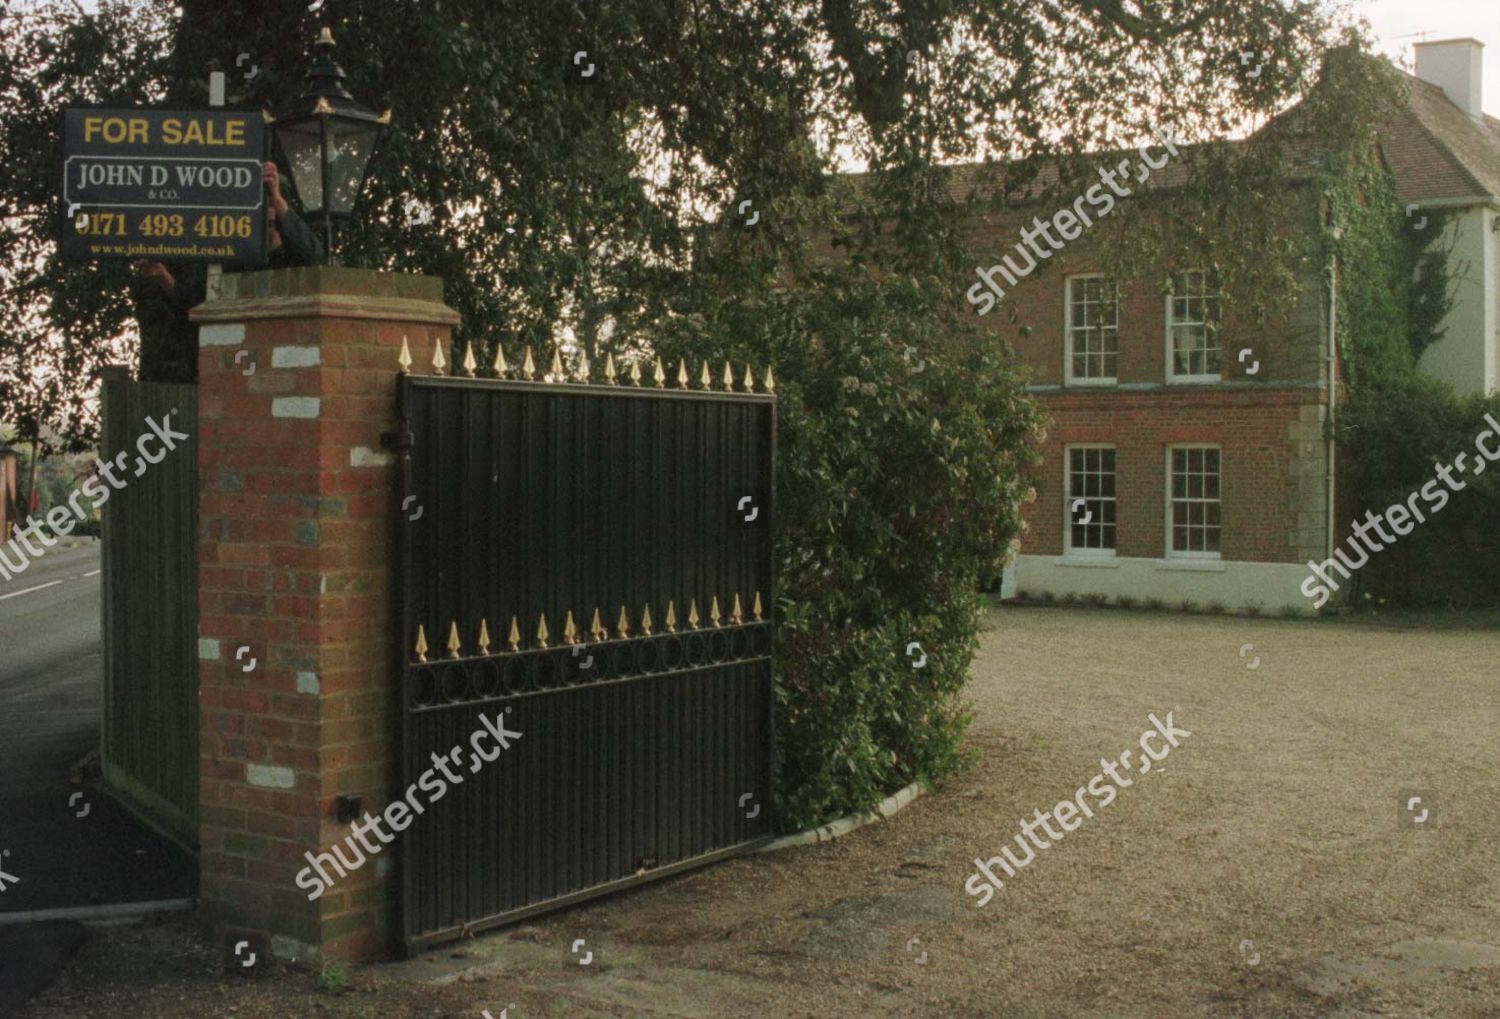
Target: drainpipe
column 1330, row 442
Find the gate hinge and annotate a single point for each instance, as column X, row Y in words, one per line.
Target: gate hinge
column 397, row 442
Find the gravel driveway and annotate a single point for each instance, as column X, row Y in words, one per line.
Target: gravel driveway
column 1269, row 866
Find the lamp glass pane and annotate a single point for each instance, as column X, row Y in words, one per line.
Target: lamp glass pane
column 302, row 145
column 349, row 150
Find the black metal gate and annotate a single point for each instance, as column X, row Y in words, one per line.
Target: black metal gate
column 594, row 562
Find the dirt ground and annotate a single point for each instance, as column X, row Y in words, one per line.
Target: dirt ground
column 1267, row 867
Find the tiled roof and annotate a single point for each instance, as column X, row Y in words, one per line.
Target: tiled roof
column 1437, row 151
column 1044, row 176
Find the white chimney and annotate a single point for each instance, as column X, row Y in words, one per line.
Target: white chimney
column 1453, row 65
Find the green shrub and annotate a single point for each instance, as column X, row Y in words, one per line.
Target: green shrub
column 899, row 482
column 1392, row 435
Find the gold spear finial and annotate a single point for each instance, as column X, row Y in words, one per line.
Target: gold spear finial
column 528, row 367
column 596, row 628
column 556, row 369
column 736, row 614
column 514, row 640
column 484, row 637
column 609, row 368
column 682, row 375
column 469, row 363
column 421, row 648
column 770, row 381
column 646, row 621
column 671, row 617
column 403, row 359
column 728, row 378
column 541, row 631
column 570, row 631
column 705, row 380
column 439, row 362
column 693, row 614
column 749, row 382
column 453, row 644
column 756, row 607
column 500, row 366
column 713, row 611
column 659, row 376
column 622, row 625
column 584, row 368
column 635, row 373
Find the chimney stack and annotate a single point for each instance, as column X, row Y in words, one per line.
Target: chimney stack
column 1454, row 66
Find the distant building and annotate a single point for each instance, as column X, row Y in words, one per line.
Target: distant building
column 1444, row 152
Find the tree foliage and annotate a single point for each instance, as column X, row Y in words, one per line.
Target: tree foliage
column 602, row 209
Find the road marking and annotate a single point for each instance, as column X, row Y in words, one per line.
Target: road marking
column 92, row 573
column 39, row 587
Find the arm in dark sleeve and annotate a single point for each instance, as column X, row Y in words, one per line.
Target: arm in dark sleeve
column 301, row 244
column 190, row 290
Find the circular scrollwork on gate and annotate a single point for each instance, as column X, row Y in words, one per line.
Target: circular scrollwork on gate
column 739, row 644
column 454, row 683
column 760, row 640
column 515, row 677
column 486, row 679
column 546, row 674
column 694, row 650
column 421, row 688
column 622, row 659
column 648, row 655
column 671, row 653
column 718, row 646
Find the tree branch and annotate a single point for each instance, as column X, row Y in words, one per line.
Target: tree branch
column 1137, row 27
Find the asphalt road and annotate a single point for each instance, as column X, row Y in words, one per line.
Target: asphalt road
column 66, row 850
column 49, row 669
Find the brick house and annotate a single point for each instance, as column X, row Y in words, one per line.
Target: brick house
column 1188, row 459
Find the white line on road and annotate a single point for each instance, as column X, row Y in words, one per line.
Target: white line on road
column 39, row 587
column 92, row 573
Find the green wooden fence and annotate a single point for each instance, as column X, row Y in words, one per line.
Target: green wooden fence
column 149, row 743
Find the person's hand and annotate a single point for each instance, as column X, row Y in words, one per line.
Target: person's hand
column 272, row 178
column 153, row 269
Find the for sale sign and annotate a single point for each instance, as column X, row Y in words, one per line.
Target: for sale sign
column 163, row 184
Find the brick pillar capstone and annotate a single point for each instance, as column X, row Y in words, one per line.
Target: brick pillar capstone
column 297, row 558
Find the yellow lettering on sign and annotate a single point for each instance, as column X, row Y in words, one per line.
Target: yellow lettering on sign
column 115, row 130
column 202, row 132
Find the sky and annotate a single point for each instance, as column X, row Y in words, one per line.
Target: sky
column 1396, row 22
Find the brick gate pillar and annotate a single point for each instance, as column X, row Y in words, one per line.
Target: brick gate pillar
column 297, row 559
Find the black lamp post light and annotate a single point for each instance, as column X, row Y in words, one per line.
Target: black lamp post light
column 326, row 140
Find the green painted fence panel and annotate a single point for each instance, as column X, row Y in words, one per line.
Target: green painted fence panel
column 149, row 742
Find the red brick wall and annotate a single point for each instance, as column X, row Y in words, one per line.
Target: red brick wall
column 1252, row 429
column 296, row 552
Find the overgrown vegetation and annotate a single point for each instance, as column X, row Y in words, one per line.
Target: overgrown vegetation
column 1396, row 287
